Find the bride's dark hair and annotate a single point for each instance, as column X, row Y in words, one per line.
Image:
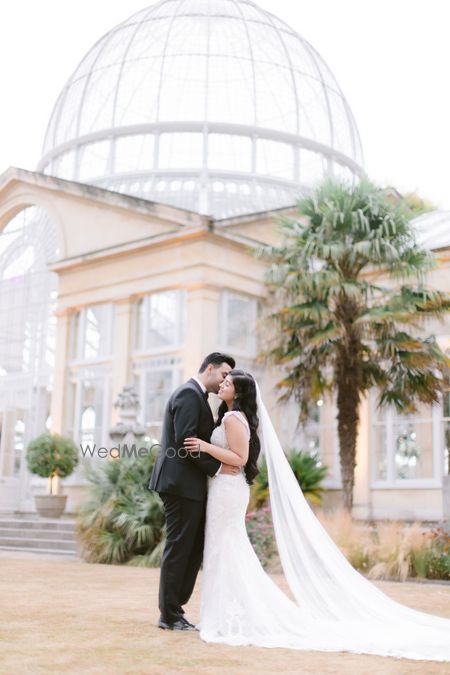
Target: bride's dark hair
column 245, row 401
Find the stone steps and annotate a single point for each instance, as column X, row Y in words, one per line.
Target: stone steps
column 37, row 524
column 33, row 534
column 40, row 551
column 36, row 533
column 26, row 543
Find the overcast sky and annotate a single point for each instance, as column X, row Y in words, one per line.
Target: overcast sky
column 391, row 59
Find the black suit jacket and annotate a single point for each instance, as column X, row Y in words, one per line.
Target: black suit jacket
column 176, row 471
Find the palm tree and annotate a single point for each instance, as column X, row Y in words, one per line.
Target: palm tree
column 337, row 328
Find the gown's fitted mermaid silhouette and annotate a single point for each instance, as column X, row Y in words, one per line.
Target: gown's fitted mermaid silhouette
column 335, row 609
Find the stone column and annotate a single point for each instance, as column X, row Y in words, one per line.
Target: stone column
column 7, row 443
column 446, row 502
column 59, row 390
column 202, row 326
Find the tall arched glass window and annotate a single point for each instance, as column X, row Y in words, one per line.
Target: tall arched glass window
column 28, row 291
column 90, row 374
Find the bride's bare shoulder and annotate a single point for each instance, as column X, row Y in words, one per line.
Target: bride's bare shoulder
column 231, row 415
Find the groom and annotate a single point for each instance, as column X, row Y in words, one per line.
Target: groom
column 180, row 479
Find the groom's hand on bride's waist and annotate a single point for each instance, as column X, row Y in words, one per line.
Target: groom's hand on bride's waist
column 229, row 470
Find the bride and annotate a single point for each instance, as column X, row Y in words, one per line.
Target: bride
column 336, row 608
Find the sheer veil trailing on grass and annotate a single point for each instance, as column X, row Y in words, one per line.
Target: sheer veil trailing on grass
column 345, row 611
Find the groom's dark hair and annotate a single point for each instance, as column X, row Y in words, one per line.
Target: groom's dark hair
column 216, row 358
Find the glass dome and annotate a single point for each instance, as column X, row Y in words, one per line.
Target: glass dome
column 215, row 106
column 433, row 229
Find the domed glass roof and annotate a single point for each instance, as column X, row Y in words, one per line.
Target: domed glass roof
column 212, row 105
column 432, row 229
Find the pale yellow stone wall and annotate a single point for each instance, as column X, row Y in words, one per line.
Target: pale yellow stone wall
column 407, row 504
column 114, row 249
column 204, row 263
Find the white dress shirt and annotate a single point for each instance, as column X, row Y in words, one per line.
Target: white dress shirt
column 203, row 388
column 201, row 385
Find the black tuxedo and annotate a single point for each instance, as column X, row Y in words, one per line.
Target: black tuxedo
column 181, row 481
column 176, row 472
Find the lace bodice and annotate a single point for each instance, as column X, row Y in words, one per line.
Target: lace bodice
column 219, row 436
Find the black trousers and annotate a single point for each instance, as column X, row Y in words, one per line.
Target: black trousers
column 183, row 553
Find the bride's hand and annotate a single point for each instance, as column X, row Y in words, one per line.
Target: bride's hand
column 195, row 445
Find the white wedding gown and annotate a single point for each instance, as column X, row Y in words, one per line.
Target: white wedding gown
column 241, row 605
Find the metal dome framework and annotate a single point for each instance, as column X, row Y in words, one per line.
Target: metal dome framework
column 433, row 229
column 212, row 105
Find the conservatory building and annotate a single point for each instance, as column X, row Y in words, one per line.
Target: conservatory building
column 175, row 146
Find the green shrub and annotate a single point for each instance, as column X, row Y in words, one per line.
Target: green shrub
column 121, row 522
column 434, row 562
column 308, row 471
column 438, row 564
column 420, row 562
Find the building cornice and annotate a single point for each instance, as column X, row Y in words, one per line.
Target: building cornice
column 163, row 212
column 168, row 239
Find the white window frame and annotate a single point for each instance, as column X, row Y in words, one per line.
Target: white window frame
column 333, row 481
column 225, row 296
column 81, row 368
column 76, row 379
column 444, row 421
column 75, row 354
column 392, row 483
column 181, row 318
column 141, row 368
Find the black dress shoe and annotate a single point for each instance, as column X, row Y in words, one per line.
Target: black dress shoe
column 180, row 624
column 188, row 623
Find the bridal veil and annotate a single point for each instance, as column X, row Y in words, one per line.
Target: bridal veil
column 325, row 585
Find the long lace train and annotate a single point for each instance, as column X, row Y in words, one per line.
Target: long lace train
column 335, row 609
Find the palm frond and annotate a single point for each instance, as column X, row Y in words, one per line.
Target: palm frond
column 332, row 326
column 120, row 518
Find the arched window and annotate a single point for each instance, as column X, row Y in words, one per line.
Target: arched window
column 27, row 293
column 27, row 339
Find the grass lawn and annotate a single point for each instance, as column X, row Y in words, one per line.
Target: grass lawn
column 66, row 616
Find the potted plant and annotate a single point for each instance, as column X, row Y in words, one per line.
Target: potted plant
column 51, row 456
